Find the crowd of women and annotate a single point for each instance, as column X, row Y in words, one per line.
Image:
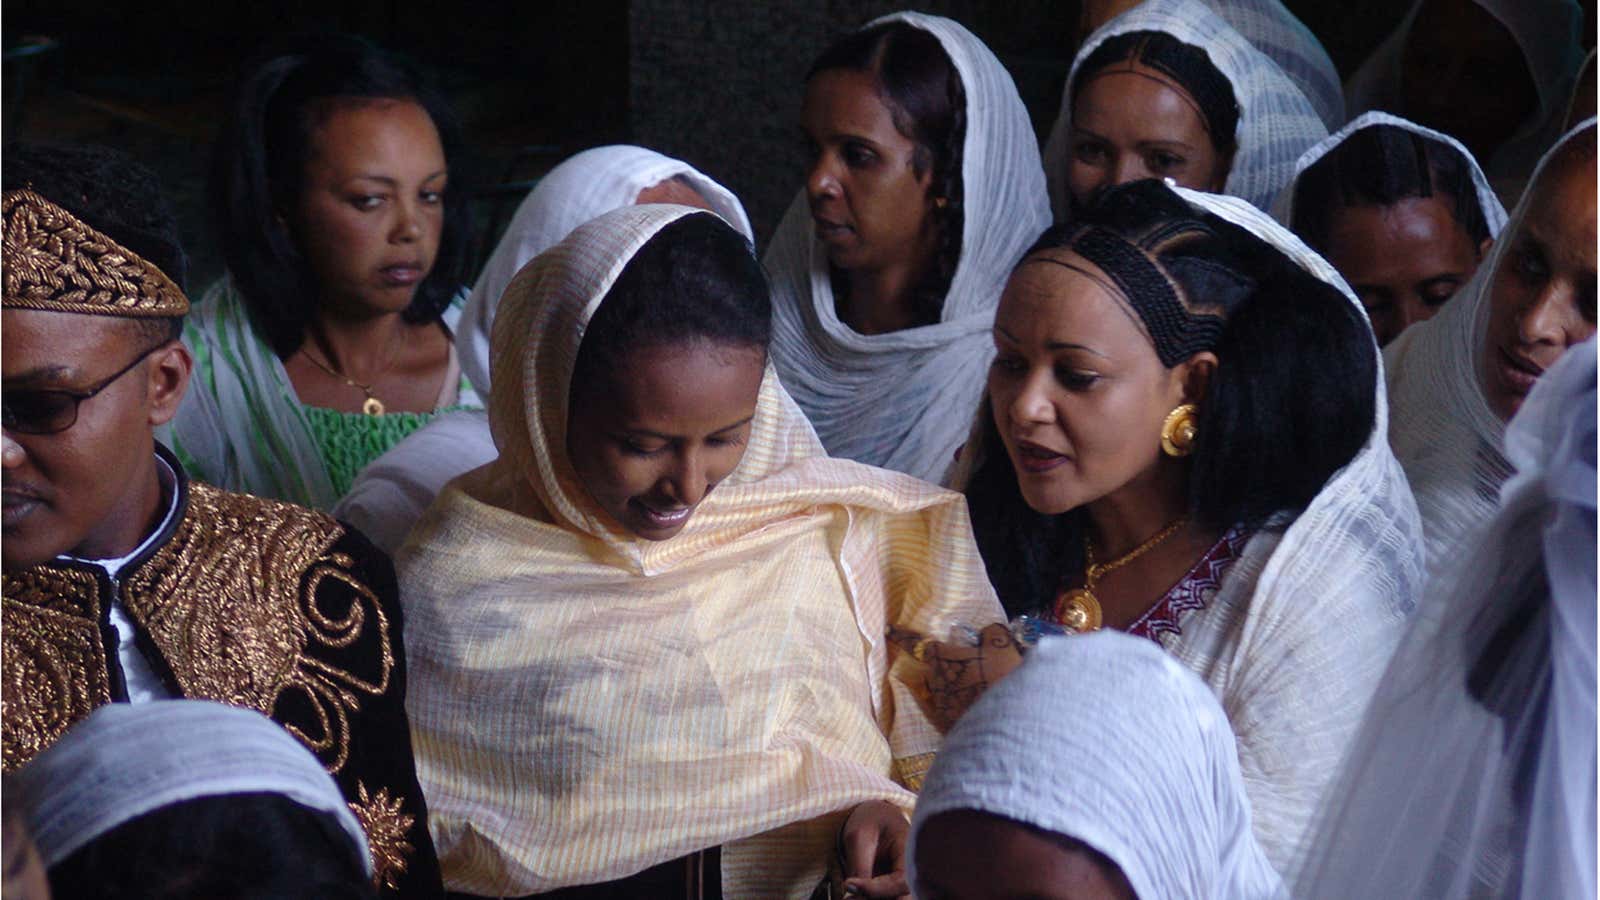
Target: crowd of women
column 1201, row 504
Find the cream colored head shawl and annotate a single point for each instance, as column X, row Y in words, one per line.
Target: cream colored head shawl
column 1494, row 214
column 903, row 400
column 586, row 704
column 1276, row 121
column 585, row 185
column 1442, row 430
column 1105, row 739
column 1547, row 31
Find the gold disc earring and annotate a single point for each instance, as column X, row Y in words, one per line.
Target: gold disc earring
column 1179, row 430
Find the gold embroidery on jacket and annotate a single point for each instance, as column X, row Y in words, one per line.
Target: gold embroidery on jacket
column 233, row 607
column 911, row 770
column 386, row 827
column 52, row 657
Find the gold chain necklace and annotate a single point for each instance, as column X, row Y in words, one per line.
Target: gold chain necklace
column 1078, row 608
column 372, row 406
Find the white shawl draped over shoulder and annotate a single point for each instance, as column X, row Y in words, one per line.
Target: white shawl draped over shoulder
column 1306, row 619
column 1442, row 430
column 394, row 489
column 903, row 400
column 1494, row 214
column 1105, row 739
column 585, row 704
column 1276, row 121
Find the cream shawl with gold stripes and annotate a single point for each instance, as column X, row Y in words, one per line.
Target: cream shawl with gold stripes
column 585, row 704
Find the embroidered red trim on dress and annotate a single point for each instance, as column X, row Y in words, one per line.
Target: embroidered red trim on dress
column 1194, row 590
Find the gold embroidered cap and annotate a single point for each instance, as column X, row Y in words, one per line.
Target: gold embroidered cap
column 54, row 261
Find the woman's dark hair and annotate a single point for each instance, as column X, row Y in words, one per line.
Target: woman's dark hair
column 1186, row 64
column 697, row 279
column 922, row 89
column 243, row 846
column 259, row 163
column 1292, row 400
column 113, row 194
column 1379, row 166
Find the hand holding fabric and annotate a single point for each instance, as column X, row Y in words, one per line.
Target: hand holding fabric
column 872, row 851
column 959, row 671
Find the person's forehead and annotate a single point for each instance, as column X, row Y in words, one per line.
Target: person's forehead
column 32, row 339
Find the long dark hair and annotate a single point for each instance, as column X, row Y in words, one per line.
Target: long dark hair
column 1380, row 165
column 1292, row 400
column 259, row 162
column 923, row 91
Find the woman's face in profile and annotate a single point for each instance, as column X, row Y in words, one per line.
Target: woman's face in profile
column 1135, row 123
column 1077, row 391
column 871, row 207
column 371, row 207
column 969, row 855
column 664, row 427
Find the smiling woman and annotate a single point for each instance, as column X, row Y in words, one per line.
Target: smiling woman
column 649, row 638
column 330, row 338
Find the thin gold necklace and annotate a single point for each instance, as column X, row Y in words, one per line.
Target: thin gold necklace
column 1078, row 608
column 372, row 406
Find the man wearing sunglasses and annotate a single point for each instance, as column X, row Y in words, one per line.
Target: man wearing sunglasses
column 126, row 582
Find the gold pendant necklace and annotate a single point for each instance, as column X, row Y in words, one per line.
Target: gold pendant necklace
column 371, row 406
column 1077, row 608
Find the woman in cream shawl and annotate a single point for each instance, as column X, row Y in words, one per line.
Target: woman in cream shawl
column 901, row 399
column 590, row 704
column 394, row 489
column 1448, row 376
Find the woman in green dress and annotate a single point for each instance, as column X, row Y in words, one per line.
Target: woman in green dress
column 329, row 338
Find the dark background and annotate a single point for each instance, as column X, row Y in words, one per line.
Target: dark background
column 715, row 83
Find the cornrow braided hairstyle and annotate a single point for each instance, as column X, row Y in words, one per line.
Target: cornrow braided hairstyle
column 1292, row 399
column 1379, row 166
column 928, row 103
column 1185, row 64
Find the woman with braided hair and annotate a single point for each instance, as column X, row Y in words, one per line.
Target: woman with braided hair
column 1170, row 90
column 1183, row 440
column 923, row 190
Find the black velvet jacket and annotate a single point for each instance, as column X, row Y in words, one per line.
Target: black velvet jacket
column 251, row 602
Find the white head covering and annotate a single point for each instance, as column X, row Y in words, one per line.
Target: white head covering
column 903, row 400
column 1442, row 430
column 392, row 491
column 1494, row 214
column 1105, row 739
column 1474, row 774
column 588, row 184
column 1547, row 31
column 1274, row 30
column 128, row 759
column 1276, row 121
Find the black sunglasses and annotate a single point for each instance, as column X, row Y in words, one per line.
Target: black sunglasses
column 53, row 410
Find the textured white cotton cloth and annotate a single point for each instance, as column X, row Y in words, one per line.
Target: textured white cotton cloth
column 903, row 400
column 1306, row 619
column 1271, row 28
column 586, row 704
column 393, row 490
column 1494, row 214
column 1548, row 33
column 128, row 759
column 1276, row 121
column 1105, row 739
column 1441, row 428
column 1474, row 774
